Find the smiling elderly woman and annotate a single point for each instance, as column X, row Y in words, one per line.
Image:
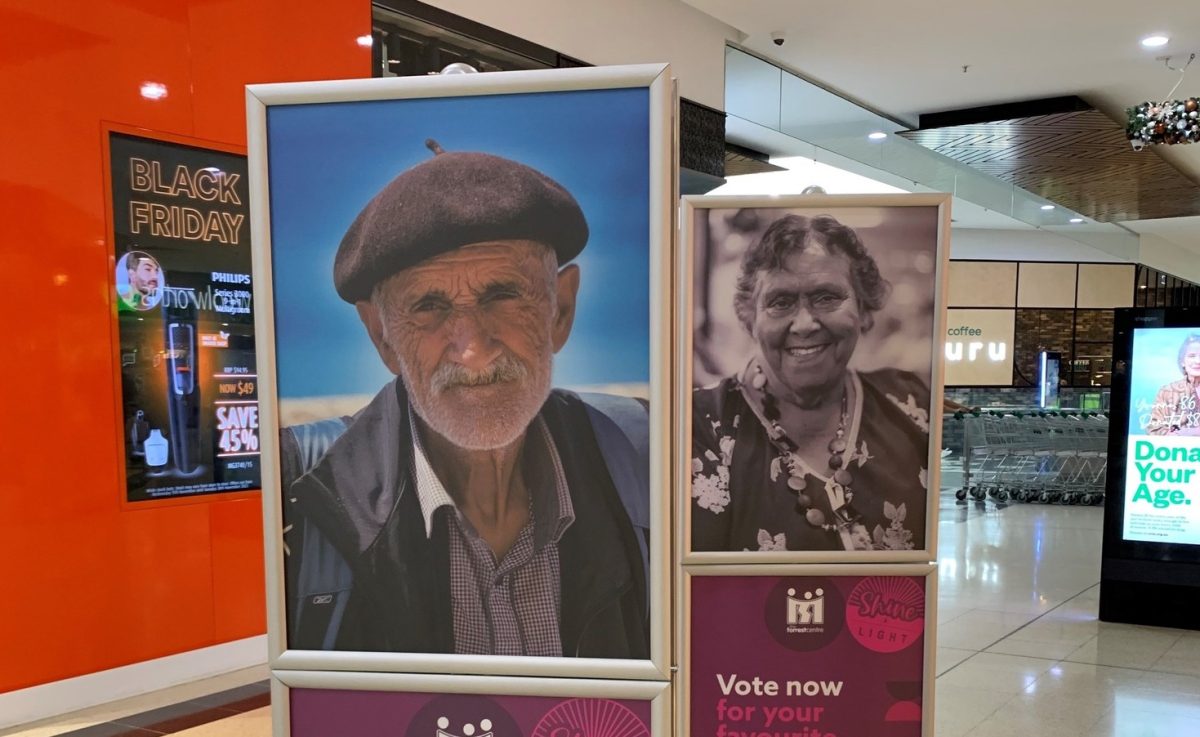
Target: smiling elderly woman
column 799, row 452
column 1176, row 409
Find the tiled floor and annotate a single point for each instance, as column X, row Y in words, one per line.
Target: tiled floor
column 1020, row 650
column 239, row 698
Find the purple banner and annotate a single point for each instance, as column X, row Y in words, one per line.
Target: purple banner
column 337, row 713
column 806, row 656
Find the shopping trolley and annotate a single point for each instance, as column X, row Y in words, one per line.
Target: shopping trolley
column 1044, row 457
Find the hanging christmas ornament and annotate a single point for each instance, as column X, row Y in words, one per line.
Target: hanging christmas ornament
column 1169, row 121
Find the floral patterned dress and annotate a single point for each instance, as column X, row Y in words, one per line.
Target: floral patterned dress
column 740, row 494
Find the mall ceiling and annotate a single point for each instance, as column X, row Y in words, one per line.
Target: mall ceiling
column 908, row 59
column 1064, row 150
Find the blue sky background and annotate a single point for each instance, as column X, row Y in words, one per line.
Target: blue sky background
column 327, row 160
column 1155, row 351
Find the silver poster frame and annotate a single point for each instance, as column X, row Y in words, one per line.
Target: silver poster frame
column 684, row 626
column 658, row 693
column 662, row 124
column 684, row 309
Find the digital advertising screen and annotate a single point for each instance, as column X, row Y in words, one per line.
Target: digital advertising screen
column 1162, row 464
column 185, row 321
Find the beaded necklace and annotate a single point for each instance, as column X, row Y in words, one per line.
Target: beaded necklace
column 840, row 484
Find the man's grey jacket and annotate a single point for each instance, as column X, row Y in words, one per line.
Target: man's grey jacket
column 363, row 575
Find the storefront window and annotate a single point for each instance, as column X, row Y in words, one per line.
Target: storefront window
column 413, row 39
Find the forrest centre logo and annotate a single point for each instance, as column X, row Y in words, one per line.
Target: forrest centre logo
column 803, row 613
column 806, row 612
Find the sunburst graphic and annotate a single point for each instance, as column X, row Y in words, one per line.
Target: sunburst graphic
column 890, row 588
column 591, row 718
column 886, row 613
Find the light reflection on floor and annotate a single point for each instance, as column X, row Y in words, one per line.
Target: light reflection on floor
column 1020, row 648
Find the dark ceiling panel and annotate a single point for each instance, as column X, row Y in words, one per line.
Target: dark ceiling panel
column 740, row 160
column 1077, row 158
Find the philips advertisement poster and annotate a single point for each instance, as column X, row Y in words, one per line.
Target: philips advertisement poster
column 321, row 712
column 184, row 318
column 1161, row 482
column 806, row 656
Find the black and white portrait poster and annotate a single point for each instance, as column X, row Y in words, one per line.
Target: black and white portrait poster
column 815, row 374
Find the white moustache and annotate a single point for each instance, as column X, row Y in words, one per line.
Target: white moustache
column 503, row 369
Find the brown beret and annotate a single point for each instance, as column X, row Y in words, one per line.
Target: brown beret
column 452, row 200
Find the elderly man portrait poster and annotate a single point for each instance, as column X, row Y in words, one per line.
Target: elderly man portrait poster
column 813, row 340
column 462, row 323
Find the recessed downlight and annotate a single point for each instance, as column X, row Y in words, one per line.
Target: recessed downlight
column 877, row 136
column 153, row 90
column 1047, row 207
column 1155, row 41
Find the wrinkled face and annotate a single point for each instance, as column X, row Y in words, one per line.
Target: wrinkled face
column 144, row 277
column 1191, row 361
column 473, row 333
column 807, row 321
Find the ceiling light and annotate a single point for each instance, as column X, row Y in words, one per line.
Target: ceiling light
column 877, row 136
column 1077, row 220
column 1047, row 207
column 1153, row 42
column 365, row 41
column 154, row 90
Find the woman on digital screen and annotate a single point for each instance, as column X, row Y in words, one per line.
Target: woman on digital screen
column 797, row 451
column 1175, row 410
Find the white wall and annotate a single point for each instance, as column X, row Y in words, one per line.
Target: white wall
column 982, row 244
column 1023, row 245
column 1168, row 256
column 618, row 32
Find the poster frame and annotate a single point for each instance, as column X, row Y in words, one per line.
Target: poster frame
column 107, row 129
column 658, row 693
column 684, row 291
column 683, row 621
column 656, row 78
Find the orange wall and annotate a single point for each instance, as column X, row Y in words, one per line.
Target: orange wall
column 87, row 585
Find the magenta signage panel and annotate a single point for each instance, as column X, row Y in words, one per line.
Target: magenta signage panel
column 806, row 656
column 326, row 712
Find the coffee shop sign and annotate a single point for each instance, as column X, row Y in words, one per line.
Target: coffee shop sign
column 960, row 345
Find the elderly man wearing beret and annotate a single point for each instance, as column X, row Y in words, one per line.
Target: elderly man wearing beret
column 469, row 508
